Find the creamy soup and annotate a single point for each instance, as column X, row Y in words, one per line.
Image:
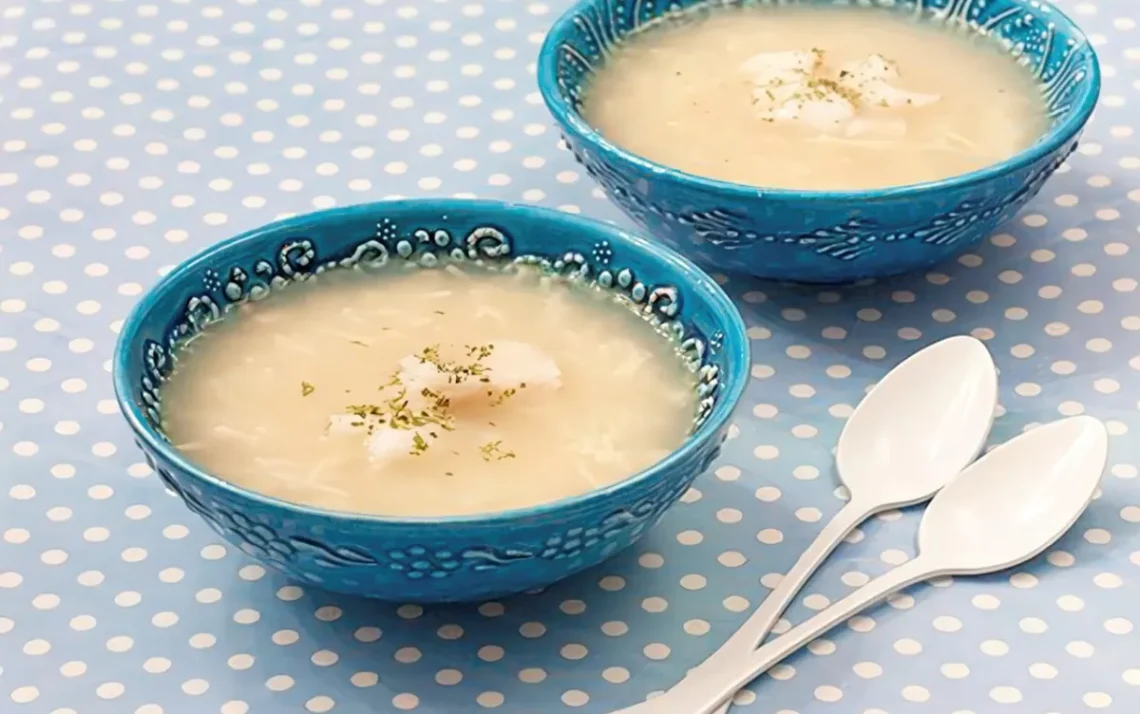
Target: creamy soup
column 815, row 98
column 435, row 392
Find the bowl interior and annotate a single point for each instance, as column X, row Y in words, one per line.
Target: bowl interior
column 663, row 287
column 1038, row 35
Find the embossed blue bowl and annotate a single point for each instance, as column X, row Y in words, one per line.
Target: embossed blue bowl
column 434, row 559
column 823, row 236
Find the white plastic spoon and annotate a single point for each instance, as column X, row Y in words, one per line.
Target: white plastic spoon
column 1007, row 507
column 923, row 423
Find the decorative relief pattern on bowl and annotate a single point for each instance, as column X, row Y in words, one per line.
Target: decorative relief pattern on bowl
column 415, row 562
column 832, row 239
column 298, row 260
column 850, row 240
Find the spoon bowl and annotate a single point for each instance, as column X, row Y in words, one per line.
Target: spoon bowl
column 1007, row 508
column 920, row 425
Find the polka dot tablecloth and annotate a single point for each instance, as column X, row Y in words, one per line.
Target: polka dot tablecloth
column 134, row 134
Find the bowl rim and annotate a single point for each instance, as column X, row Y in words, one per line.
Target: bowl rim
column 731, row 322
column 1053, row 139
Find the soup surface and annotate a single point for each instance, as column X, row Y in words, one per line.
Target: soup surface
column 815, row 98
column 435, row 392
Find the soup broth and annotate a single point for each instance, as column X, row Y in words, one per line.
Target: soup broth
column 429, row 393
column 815, row 98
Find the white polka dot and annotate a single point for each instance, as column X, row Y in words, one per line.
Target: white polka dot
column 365, row 679
column 1098, row 536
column 613, row 629
column 279, row 683
column 1080, row 649
column 110, row 690
column 208, row 595
column 696, row 627
column 828, row 693
column 768, row 493
column 202, row 640
column 120, row 643
column 867, row 670
column 894, row 557
column 25, row 695
column 1005, row 695
column 134, row 555
column 1118, row 626
column 656, row 651
column 324, row 658
column 1097, row 700
column 915, row 693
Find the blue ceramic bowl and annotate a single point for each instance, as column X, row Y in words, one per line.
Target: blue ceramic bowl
column 823, row 236
column 433, row 559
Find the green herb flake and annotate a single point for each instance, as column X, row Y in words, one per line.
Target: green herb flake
column 504, row 396
column 458, row 373
column 492, row 451
column 419, row 445
column 307, row 389
column 364, row 410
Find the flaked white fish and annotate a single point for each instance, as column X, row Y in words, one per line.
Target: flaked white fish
column 872, row 79
column 785, row 89
column 778, row 68
column 386, row 443
column 821, row 109
column 510, row 365
column 791, row 86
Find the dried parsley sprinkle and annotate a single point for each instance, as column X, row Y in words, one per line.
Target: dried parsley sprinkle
column 480, row 352
column 822, row 86
column 419, row 446
column 506, row 394
column 456, row 372
column 492, row 452
column 396, row 412
column 307, row 389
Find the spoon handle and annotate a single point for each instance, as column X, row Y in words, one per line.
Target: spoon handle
column 703, row 692
column 746, row 639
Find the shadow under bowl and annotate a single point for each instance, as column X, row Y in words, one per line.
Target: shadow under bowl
column 823, row 236
column 445, row 559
